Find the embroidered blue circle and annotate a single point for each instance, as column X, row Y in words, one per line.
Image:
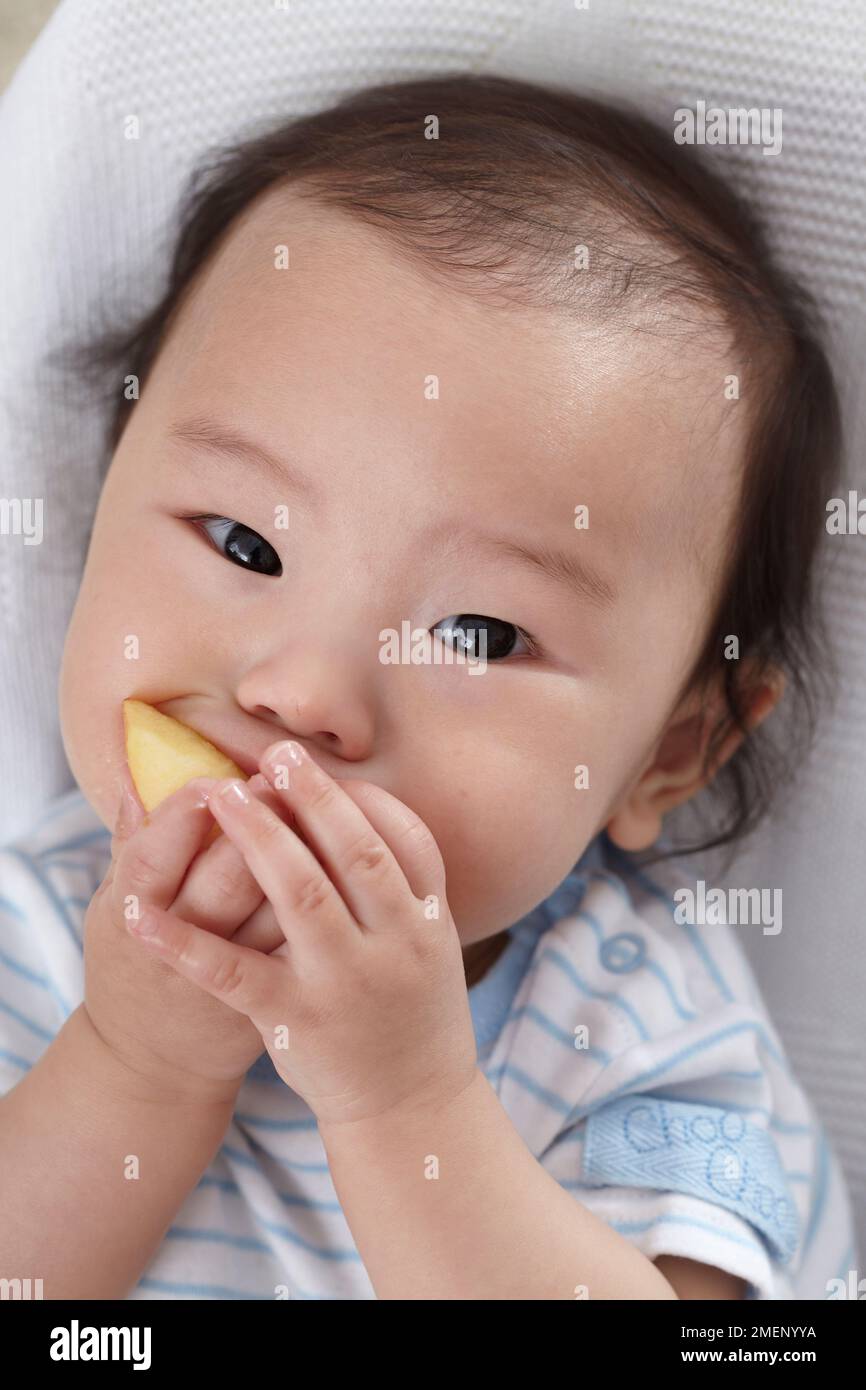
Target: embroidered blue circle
column 623, row 953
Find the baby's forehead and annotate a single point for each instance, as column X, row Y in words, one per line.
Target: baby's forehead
column 630, row 416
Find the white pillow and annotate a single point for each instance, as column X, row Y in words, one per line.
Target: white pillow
column 87, row 231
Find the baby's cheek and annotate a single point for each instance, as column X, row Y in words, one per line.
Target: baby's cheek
column 509, row 838
column 109, row 654
column 85, row 716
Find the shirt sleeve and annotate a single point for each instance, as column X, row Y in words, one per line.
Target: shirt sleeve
column 33, row 1003
column 693, row 1180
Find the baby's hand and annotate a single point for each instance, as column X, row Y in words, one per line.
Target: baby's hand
column 164, row 1029
column 363, row 1009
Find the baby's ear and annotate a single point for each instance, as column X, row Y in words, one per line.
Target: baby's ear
column 676, row 772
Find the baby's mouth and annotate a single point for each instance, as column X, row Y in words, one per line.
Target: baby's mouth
column 221, row 738
column 223, row 742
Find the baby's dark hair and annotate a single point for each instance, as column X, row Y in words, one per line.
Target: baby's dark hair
column 494, row 201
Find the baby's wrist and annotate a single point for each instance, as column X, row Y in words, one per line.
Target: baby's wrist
column 137, row 1079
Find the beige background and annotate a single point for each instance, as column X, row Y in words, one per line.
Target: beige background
column 20, row 22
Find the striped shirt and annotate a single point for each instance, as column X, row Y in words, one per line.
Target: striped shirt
column 633, row 1054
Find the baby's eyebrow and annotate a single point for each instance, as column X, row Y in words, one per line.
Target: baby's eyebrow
column 206, row 436
column 562, row 567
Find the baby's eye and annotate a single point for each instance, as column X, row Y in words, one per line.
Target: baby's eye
column 463, row 628
column 240, row 544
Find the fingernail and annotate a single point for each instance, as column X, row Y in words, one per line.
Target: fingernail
column 234, row 792
column 203, row 792
column 291, row 750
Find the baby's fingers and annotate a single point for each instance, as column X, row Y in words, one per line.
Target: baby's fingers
column 246, row 980
column 152, row 863
column 261, row 930
column 219, row 891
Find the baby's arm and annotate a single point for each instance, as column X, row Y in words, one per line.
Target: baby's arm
column 115, row 1123
column 69, row 1214
column 492, row 1223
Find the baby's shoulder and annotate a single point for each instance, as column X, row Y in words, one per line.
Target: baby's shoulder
column 67, row 822
column 621, row 952
column 639, row 1056
column 621, row 1001
column 48, row 874
column 66, row 840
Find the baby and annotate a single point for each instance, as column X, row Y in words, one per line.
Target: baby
column 508, row 366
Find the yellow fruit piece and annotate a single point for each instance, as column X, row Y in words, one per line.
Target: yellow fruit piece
column 164, row 754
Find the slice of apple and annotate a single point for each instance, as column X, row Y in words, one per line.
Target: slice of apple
column 164, row 754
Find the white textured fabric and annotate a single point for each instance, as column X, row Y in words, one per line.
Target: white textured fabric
column 632, row 1054
column 88, row 224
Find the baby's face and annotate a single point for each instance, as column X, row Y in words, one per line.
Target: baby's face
column 414, row 436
